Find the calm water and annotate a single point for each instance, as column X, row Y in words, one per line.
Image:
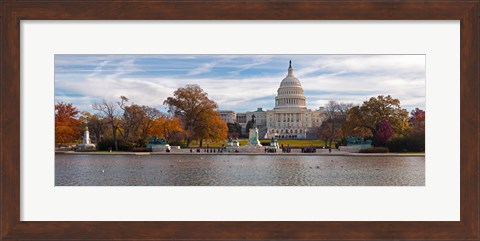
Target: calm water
column 237, row 170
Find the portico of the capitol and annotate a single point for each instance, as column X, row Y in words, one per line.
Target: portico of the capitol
column 289, row 119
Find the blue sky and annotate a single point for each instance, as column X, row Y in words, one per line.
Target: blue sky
column 238, row 82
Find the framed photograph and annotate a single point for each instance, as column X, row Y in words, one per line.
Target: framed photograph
column 228, row 120
column 209, row 131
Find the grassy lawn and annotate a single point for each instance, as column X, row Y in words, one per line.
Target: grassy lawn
column 304, row 143
column 243, row 142
column 293, row 143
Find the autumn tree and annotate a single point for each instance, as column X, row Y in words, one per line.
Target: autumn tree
column 150, row 115
column 111, row 112
column 324, row 132
column 384, row 133
column 168, row 128
column 136, row 123
column 369, row 116
column 130, row 122
column 335, row 115
column 210, row 127
column 67, row 125
column 417, row 121
column 190, row 104
column 96, row 124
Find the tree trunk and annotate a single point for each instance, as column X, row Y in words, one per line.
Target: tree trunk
column 114, row 133
column 97, row 139
column 188, row 142
column 201, row 143
column 332, row 133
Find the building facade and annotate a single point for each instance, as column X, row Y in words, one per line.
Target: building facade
column 290, row 119
column 228, row 116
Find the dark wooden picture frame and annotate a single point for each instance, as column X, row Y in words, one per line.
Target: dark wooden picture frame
column 13, row 11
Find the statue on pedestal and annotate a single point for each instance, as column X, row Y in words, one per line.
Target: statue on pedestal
column 156, row 144
column 254, row 122
column 253, row 134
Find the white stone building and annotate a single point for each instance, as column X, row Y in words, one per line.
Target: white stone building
column 228, row 116
column 242, row 118
column 290, row 119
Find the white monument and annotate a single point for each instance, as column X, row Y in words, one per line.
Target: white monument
column 86, row 143
column 253, row 137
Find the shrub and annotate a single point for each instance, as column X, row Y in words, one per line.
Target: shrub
column 265, row 143
column 176, row 139
column 375, row 150
column 85, row 150
column 407, row 144
column 177, row 143
column 341, row 142
column 106, row 144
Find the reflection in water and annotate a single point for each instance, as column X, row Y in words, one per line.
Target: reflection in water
column 237, row 170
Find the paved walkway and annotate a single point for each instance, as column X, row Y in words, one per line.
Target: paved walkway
column 320, row 152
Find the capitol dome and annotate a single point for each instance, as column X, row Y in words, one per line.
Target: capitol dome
column 290, row 93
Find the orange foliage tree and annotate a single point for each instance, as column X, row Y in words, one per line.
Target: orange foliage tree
column 211, row 127
column 68, row 127
column 167, row 128
column 191, row 105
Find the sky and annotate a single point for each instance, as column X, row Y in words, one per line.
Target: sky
column 238, row 82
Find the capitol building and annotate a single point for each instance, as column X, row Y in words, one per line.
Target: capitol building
column 290, row 119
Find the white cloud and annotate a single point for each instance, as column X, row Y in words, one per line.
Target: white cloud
column 203, row 68
column 333, row 77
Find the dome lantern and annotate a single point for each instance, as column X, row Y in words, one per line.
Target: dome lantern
column 290, row 69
